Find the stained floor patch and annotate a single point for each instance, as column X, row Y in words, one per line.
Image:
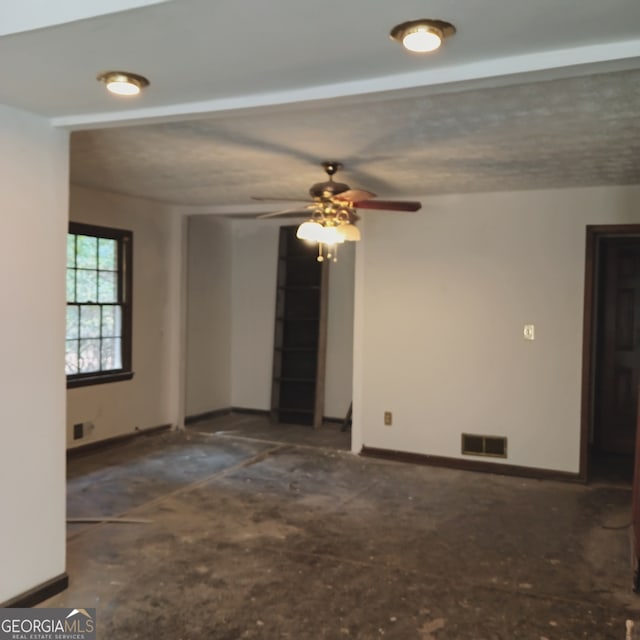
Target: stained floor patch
column 247, row 536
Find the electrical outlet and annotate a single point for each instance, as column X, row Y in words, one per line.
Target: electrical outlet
column 529, row 332
column 78, row 431
column 387, row 418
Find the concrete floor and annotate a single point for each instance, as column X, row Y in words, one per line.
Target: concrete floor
column 259, row 531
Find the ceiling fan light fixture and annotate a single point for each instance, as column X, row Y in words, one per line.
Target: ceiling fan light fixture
column 333, row 214
column 123, row 83
column 310, row 230
column 349, row 232
column 422, row 36
column 331, row 236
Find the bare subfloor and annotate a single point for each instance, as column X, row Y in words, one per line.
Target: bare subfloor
column 258, row 532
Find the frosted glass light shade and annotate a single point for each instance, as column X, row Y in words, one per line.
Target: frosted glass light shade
column 349, row 232
column 422, row 40
column 310, row 230
column 331, row 236
column 123, row 88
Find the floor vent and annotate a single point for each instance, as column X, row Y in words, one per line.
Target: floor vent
column 475, row 445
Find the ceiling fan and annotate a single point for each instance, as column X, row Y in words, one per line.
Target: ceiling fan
column 332, row 214
column 341, row 195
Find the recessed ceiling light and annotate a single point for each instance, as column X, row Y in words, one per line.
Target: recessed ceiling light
column 422, row 36
column 123, row 83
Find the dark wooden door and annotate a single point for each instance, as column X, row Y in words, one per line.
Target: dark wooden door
column 635, row 509
column 618, row 345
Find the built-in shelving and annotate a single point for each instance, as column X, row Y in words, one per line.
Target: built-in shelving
column 300, row 333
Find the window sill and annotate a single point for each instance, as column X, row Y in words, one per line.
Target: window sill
column 102, row 378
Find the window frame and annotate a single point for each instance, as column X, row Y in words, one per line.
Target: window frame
column 124, row 239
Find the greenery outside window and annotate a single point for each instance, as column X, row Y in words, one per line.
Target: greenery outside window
column 99, row 297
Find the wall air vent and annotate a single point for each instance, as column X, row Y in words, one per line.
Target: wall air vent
column 477, row 445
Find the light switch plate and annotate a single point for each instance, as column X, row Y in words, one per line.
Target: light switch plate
column 529, row 332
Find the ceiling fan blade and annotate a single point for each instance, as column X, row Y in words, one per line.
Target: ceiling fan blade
column 389, row 205
column 261, row 199
column 355, row 195
column 291, row 213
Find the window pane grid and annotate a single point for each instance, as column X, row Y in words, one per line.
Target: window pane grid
column 94, row 338
column 95, row 306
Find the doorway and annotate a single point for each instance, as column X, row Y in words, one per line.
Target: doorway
column 299, row 354
column 611, row 353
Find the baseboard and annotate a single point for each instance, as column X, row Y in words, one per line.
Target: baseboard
column 38, row 594
column 470, row 465
column 207, row 415
column 251, row 412
column 218, row 413
column 267, row 414
column 107, row 443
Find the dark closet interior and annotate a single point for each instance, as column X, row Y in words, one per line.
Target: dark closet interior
column 300, row 332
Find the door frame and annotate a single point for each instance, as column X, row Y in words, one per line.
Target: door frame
column 595, row 233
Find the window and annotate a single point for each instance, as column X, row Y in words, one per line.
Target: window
column 98, row 347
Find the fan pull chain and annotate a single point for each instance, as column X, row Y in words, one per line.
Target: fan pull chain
column 320, row 256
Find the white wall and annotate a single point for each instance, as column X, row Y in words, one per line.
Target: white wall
column 338, row 389
column 33, row 223
column 230, row 300
column 152, row 397
column 254, row 265
column 254, row 268
column 209, row 315
column 442, row 298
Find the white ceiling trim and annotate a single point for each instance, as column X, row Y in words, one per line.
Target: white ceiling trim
column 544, row 65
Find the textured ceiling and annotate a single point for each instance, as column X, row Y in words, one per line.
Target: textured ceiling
column 247, row 97
column 575, row 132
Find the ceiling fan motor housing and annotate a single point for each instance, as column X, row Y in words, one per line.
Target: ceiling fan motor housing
column 328, row 189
